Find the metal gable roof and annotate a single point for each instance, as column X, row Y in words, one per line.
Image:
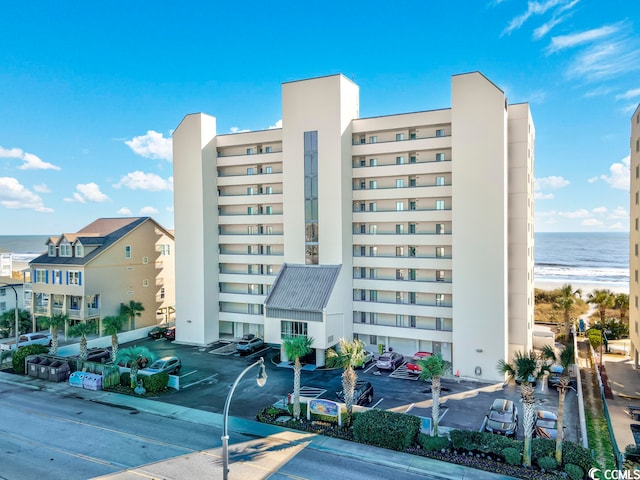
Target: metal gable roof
column 303, row 287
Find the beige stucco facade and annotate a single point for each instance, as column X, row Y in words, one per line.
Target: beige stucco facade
column 429, row 214
column 87, row 276
column 634, row 240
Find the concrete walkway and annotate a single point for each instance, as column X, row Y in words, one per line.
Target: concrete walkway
column 256, row 459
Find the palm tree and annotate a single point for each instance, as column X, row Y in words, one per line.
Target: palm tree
column 54, row 322
column 348, row 354
column 621, row 302
column 603, row 298
column 296, row 347
column 81, row 330
column 133, row 356
column 525, row 369
column 565, row 302
column 131, row 310
column 432, row 369
column 565, row 359
column 111, row 326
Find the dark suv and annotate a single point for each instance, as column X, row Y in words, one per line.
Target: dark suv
column 362, row 394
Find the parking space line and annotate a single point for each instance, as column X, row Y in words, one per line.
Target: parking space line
column 377, row 403
column 199, row 381
column 187, row 374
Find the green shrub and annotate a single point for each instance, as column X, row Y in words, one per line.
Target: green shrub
column 433, row 444
column 156, row 382
column 481, row 441
column 542, row 447
column 24, row 352
column 574, row 471
column 511, row 456
column 548, row 463
column 577, row 455
column 125, row 379
column 396, row 431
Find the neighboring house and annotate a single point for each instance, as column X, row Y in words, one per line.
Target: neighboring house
column 8, row 295
column 90, row 273
column 411, row 230
column 6, row 264
column 634, row 240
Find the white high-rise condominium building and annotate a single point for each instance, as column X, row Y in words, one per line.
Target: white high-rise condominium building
column 411, row 230
column 634, row 238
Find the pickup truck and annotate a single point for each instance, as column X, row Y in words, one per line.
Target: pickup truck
column 36, row 338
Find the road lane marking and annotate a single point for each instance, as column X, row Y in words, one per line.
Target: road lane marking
column 199, row 381
column 377, row 403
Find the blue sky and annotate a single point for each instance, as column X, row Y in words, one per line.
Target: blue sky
column 91, row 91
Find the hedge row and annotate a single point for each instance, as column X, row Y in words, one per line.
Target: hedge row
column 395, row 431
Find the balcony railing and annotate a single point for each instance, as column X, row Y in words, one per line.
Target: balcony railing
column 379, row 164
column 357, row 188
column 358, row 141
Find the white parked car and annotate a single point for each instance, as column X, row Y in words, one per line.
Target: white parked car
column 35, row 338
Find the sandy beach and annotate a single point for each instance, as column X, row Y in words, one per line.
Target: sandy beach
column 585, row 287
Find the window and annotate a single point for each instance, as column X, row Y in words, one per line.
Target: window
column 373, row 162
column 636, row 276
column 399, row 251
column 127, row 251
column 439, row 204
column 363, row 184
column 250, row 191
column 439, row 323
column 145, row 283
column 269, row 210
column 250, row 171
column 440, row 228
column 372, row 206
column 74, row 277
column 439, row 252
column 251, row 229
column 41, row 276
column 363, row 162
column 373, row 295
column 65, row 250
column 57, row 277
column 399, row 182
column 249, row 151
column 79, row 250
column 399, row 229
column 373, row 184
column 293, row 329
column 373, row 251
column 412, row 274
column 412, row 228
column 162, row 289
column 399, row 136
column 439, row 181
column 373, row 139
column 440, row 276
column 363, row 317
column 3, row 306
column 439, row 157
column 268, row 150
column 412, row 159
column 440, row 132
column 373, row 229
column 52, row 250
column 412, row 205
column 440, row 299
column 638, row 171
column 412, row 321
column 399, row 320
column 399, row 297
column 269, row 230
column 373, row 339
column 3, row 292
column 636, row 224
column 399, row 274
column 412, row 251
column 268, row 170
column 251, row 210
column 400, row 160
column 363, row 251
column 363, row 228
column 637, row 198
column 362, row 206
column 413, row 182
column 399, row 206
column 372, row 273
column 412, row 298
column 268, row 190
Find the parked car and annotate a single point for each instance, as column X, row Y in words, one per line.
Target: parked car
column 502, row 418
column 249, row 345
column 366, row 360
column 556, row 375
column 413, row 366
column 389, row 361
column 35, row 338
column 158, row 332
column 101, row 355
column 170, row 333
column 362, row 394
column 546, row 425
column 170, row 365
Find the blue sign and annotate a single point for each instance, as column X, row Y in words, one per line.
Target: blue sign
column 324, row 407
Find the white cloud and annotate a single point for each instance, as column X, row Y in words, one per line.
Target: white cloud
column 87, row 192
column 147, row 211
column 152, row 145
column 278, row 124
column 31, row 161
column 619, row 175
column 629, row 94
column 593, row 179
column 145, row 181
column 41, row 188
column 14, row 195
column 550, row 182
column 543, row 196
column 567, row 41
column 556, row 19
column 619, row 226
column 604, row 60
column 591, row 222
column 620, row 212
column 237, row 130
column 580, row 213
column 600, row 210
column 125, row 212
column 533, row 8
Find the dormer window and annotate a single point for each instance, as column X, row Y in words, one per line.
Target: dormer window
column 65, row 250
column 52, row 250
column 79, row 250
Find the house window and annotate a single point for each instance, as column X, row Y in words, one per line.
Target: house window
column 3, row 292
column 127, row 251
column 412, row 205
column 363, row 228
column 57, row 277
column 145, row 282
column 293, row 329
column 636, row 224
column 372, row 273
column 373, row 162
column 79, row 250
column 268, row 150
column 41, row 276
column 412, row 274
column 373, row 251
column 440, row 132
column 440, row 299
column 373, row 229
column 399, row 297
column 399, row 136
column 65, row 250
column 373, row 295
column 400, row 160
column 268, row 190
column 412, row 321
column 249, row 151
column 439, row 204
column 412, row 228
column 74, row 277
column 412, row 251
column 373, row 206
column 399, row 274
column 439, row 157
column 165, row 249
column 412, row 298
column 399, row 206
column 638, row 171
column 399, row 251
column 399, row 182
column 373, row 184
column 637, row 198
column 251, row 210
column 439, row 252
column 362, row 206
column 400, row 229
column 440, row 276
column 363, row 317
column 399, row 320
column 145, row 260
column 162, row 293
column 413, row 182
column 268, row 170
column 363, row 162
column 3, row 306
column 412, row 159
column 250, row 171
column 440, row 228
column 52, row 250
column 439, row 323
column 373, row 139
column 439, row 181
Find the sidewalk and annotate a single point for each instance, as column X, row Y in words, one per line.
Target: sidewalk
column 256, row 459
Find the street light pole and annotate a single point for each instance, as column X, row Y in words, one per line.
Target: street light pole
column 16, row 312
column 261, row 379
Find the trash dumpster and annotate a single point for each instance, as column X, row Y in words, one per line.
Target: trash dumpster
column 76, row 379
column 92, row 381
column 43, row 369
column 32, row 365
column 59, row 371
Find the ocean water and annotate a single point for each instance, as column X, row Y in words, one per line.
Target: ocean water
column 593, row 258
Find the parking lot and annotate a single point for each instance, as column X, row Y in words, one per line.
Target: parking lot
column 208, row 373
